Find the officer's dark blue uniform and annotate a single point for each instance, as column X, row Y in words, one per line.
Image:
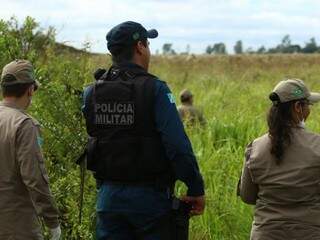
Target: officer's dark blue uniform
column 134, row 211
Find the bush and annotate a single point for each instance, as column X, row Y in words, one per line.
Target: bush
column 57, row 106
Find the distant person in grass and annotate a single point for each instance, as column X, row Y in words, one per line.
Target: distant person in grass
column 137, row 145
column 189, row 114
column 24, row 185
column 281, row 170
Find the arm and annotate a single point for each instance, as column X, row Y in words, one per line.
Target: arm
column 176, row 142
column 85, row 94
column 33, row 173
column 247, row 189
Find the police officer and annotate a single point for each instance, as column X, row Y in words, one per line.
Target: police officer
column 281, row 171
column 137, row 144
column 24, row 184
column 187, row 111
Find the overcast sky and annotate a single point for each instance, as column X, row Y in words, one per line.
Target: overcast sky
column 181, row 22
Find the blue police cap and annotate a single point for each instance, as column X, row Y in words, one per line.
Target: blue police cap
column 127, row 34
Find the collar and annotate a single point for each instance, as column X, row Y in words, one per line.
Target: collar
column 11, row 105
column 129, row 66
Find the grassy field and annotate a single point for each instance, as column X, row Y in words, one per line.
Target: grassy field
column 233, row 93
column 231, row 90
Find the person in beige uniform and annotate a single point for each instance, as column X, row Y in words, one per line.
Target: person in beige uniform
column 281, row 173
column 189, row 114
column 24, row 186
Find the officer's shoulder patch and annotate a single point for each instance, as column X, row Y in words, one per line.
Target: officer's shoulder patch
column 171, row 98
column 40, row 141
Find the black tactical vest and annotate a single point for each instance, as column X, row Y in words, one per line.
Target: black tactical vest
column 124, row 145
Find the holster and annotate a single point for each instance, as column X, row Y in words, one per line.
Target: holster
column 180, row 219
column 89, row 153
column 91, row 149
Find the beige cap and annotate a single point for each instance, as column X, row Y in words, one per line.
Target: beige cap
column 17, row 72
column 295, row 89
column 185, row 94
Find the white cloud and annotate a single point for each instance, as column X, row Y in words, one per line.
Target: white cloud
column 197, row 22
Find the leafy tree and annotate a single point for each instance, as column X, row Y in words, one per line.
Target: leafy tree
column 238, row 49
column 286, row 41
column 27, row 41
column 219, row 48
column 209, row 49
column 310, row 47
column 261, row 50
column 57, row 106
column 295, row 49
column 285, row 46
column 273, row 50
column 167, row 49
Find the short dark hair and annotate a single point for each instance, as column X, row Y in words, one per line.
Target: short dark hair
column 125, row 54
column 16, row 90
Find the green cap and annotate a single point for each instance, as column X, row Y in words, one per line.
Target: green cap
column 295, row 89
column 18, row 72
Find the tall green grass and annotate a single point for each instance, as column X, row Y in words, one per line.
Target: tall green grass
column 233, row 93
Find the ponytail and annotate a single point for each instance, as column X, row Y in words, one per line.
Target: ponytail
column 280, row 126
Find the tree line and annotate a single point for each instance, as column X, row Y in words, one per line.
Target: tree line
column 285, row 46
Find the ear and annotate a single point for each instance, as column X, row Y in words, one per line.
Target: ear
column 297, row 107
column 30, row 91
column 140, row 47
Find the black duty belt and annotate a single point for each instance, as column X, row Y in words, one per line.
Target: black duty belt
column 156, row 186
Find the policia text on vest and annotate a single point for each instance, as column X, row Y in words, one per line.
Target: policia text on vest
column 111, row 114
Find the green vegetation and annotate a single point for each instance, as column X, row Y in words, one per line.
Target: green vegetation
column 232, row 91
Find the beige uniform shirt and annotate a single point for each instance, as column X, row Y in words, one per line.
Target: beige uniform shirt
column 286, row 196
column 24, row 188
column 191, row 115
